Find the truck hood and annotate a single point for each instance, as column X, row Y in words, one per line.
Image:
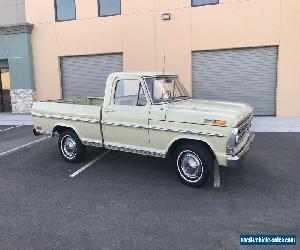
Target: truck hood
column 198, row 111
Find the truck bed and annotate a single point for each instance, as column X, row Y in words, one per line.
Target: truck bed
column 83, row 115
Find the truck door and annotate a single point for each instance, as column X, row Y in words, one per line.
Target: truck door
column 125, row 120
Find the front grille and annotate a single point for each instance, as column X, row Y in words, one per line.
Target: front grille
column 244, row 126
column 245, row 119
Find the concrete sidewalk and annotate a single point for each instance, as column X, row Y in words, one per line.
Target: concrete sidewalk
column 275, row 124
column 260, row 124
column 15, row 119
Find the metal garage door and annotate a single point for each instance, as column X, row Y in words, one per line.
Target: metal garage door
column 86, row 75
column 240, row 75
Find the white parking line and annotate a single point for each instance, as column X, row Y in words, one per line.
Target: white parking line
column 7, row 129
column 23, row 146
column 89, row 164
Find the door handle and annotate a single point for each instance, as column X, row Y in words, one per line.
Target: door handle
column 109, row 110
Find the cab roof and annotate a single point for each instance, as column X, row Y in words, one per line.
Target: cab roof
column 140, row 74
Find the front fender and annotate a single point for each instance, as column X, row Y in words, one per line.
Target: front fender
column 216, row 144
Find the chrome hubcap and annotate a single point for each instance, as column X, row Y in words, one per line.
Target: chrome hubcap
column 69, row 147
column 190, row 165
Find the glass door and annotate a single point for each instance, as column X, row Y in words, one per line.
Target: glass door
column 5, row 99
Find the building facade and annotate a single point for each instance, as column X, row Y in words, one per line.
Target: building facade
column 17, row 91
column 235, row 50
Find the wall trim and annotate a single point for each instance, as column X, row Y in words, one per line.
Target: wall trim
column 16, row 29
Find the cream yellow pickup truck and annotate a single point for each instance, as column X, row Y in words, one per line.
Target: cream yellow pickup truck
column 150, row 114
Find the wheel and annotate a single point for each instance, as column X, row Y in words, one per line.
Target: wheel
column 70, row 147
column 193, row 164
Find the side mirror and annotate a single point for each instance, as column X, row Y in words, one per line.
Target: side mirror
column 169, row 93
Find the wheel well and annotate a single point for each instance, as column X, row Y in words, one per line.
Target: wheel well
column 60, row 129
column 180, row 142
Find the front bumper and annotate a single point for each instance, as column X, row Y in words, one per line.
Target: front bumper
column 244, row 150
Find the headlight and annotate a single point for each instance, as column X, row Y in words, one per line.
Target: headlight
column 251, row 122
column 237, row 137
column 232, row 141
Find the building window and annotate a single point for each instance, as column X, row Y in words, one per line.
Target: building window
column 109, row 7
column 204, row 2
column 65, row 10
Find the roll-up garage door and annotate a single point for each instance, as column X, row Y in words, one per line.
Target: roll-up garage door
column 238, row 75
column 86, row 75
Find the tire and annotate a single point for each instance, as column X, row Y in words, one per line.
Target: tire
column 193, row 164
column 71, row 147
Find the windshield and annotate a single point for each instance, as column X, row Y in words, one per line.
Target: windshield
column 166, row 89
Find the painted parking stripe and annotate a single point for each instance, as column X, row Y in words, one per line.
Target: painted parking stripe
column 23, row 146
column 89, row 164
column 7, row 129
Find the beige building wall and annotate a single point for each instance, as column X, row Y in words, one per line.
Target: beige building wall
column 288, row 95
column 145, row 39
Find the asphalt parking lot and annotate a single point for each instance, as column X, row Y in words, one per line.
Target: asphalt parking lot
column 126, row 201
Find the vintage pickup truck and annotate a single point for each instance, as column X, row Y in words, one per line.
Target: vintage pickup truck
column 150, row 114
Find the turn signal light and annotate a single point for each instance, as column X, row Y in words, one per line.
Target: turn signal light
column 220, row 122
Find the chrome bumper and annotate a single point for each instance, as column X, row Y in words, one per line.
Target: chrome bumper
column 244, row 150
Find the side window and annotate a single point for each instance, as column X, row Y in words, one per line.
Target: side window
column 65, row 10
column 130, row 93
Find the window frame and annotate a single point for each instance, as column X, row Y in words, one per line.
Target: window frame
column 65, row 20
column 99, row 10
column 199, row 5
